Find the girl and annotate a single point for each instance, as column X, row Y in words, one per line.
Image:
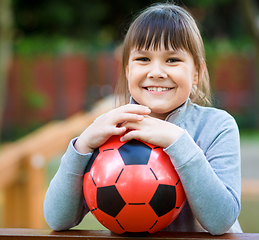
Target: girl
column 165, row 76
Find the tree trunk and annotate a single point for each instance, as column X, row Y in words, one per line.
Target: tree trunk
column 5, row 50
column 250, row 11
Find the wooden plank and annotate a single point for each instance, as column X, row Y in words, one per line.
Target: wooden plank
column 17, row 234
column 48, row 141
column 11, row 156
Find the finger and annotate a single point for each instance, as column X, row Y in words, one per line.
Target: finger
column 135, row 108
column 119, row 131
column 128, row 117
column 130, row 135
column 133, row 125
column 130, row 112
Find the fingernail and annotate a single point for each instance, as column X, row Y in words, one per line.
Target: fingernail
column 147, row 109
column 140, row 117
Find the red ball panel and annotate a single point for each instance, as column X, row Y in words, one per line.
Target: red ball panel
column 108, row 221
column 163, row 167
column 106, row 168
column 137, row 218
column 137, row 184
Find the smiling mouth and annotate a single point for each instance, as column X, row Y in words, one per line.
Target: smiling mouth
column 158, row 89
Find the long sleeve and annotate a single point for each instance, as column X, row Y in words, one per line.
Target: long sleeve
column 209, row 169
column 64, row 205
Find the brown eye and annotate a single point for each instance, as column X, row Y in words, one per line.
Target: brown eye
column 143, row 59
column 173, row 60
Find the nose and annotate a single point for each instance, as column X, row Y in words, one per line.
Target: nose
column 157, row 71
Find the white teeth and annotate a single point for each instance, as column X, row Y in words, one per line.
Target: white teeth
column 157, row 89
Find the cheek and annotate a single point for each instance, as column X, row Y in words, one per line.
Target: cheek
column 132, row 77
column 131, row 86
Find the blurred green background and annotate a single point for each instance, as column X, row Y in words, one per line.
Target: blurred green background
column 59, row 57
column 46, row 38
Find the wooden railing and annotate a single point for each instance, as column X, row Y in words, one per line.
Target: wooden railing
column 23, row 163
column 17, row 234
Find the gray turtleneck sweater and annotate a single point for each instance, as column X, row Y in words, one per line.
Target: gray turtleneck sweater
column 206, row 158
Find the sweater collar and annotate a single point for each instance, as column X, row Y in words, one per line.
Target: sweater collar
column 177, row 115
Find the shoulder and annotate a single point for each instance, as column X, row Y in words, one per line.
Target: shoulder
column 206, row 124
column 210, row 115
column 208, row 111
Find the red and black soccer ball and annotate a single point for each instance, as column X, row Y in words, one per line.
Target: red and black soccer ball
column 132, row 187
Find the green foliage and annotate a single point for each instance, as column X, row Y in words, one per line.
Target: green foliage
column 78, row 19
column 14, row 133
column 208, row 3
column 250, row 135
column 43, row 45
column 63, row 25
column 36, row 100
column 219, row 47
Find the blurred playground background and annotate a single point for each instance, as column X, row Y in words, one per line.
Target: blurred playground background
column 58, row 59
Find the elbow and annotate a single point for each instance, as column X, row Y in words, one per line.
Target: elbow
column 57, row 228
column 61, row 220
column 217, row 232
column 219, row 229
column 53, row 218
column 55, row 224
column 222, row 225
column 58, row 224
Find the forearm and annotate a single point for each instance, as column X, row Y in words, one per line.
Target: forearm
column 63, row 205
column 214, row 203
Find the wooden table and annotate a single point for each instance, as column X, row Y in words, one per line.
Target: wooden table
column 25, row 233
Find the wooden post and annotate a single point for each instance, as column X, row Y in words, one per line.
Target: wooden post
column 35, row 184
column 13, row 209
column 23, row 200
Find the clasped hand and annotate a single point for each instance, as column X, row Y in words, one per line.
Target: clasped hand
column 128, row 117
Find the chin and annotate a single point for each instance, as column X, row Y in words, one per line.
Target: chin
column 159, row 114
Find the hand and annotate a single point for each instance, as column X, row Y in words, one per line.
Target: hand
column 109, row 124
column 153, row 131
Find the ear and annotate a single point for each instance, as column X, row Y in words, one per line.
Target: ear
column 196, row 76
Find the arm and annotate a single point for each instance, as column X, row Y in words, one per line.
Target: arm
column 212, row 179
column 64, row 203
column 211, row 175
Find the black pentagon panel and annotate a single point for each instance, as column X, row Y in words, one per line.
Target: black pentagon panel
column 163, row 200
column 135, row 152
column 109, row 200
column 91, row 161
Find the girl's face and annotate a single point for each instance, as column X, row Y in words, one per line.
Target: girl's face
column 161, row 79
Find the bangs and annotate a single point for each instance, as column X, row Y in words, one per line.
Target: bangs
column 160, row 30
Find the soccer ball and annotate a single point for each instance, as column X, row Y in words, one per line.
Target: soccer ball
column 132, row 187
